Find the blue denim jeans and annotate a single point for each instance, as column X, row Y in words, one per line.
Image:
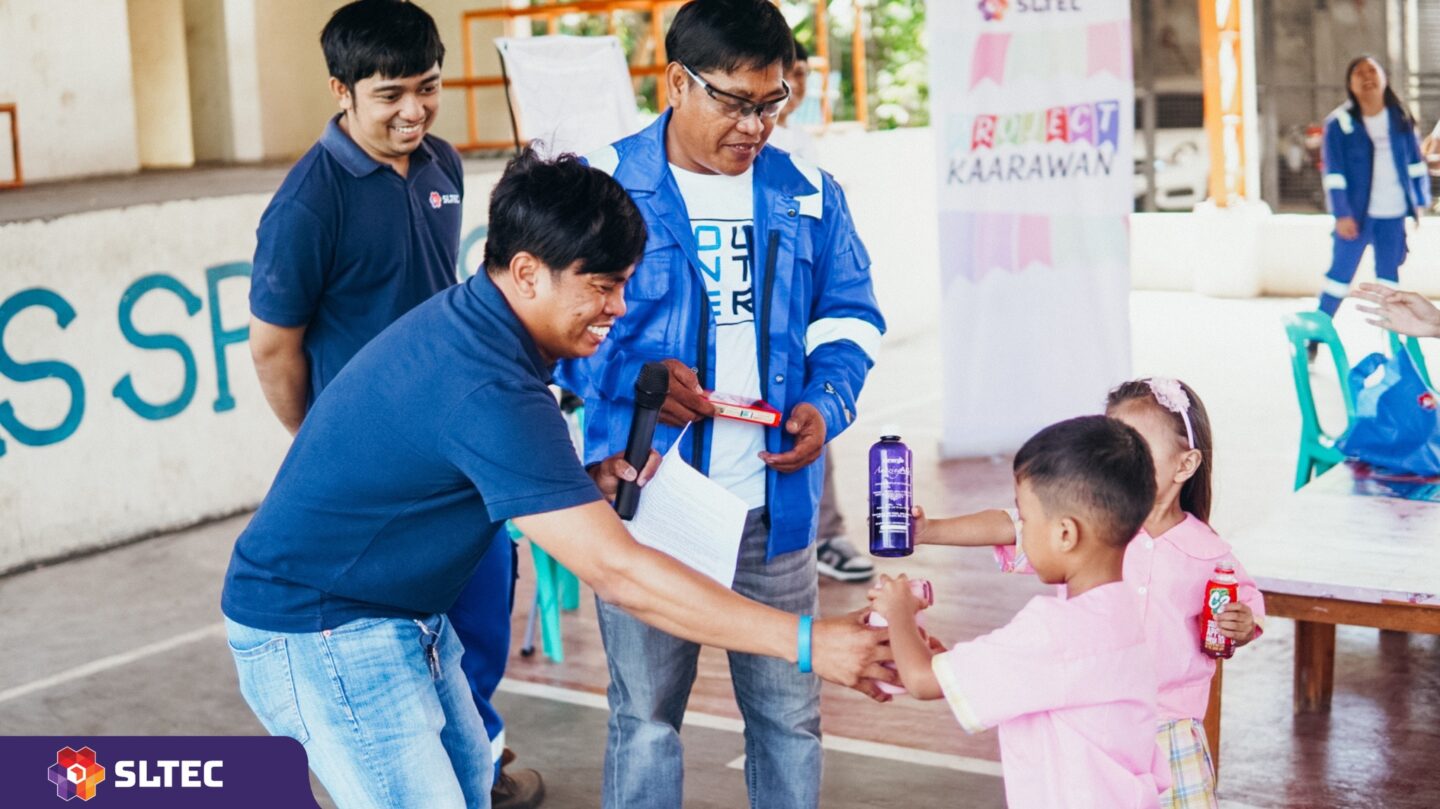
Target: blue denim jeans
column 381, row 706
column 650, row 678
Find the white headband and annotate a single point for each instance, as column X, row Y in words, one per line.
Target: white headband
column 1171, row 396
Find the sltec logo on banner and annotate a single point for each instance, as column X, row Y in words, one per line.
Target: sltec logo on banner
column 76, row 773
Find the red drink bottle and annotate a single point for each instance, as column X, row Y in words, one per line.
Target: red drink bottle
column 1219, row 591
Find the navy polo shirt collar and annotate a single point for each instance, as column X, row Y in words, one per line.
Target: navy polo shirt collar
column 480, row 288
column 349, row 154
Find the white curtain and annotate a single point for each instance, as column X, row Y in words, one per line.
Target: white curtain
column 572, row 94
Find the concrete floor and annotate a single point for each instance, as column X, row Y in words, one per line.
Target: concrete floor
column 151, row 657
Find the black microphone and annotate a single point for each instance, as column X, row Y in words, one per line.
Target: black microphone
column 651, row 388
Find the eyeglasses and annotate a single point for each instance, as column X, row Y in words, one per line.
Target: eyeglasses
column 738, row 107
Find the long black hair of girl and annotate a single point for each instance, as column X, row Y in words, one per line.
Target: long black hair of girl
column 1392, row 100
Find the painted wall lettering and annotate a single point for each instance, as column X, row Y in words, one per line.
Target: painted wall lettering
column 36, row 371
column 220, row 336
column 125, row 389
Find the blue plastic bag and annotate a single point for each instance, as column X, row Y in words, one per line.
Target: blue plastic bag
column 1396, row 424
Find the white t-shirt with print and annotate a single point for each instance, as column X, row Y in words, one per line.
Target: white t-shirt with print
column 1387, row 195
column 722, row 222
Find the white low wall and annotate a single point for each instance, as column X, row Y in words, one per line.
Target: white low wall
column 1167, row 250
column 128, row 402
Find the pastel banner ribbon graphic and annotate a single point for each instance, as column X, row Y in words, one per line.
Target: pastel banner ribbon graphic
column 988, row 61
column 957, row 235
column 994, row 244
column 1029, row 57
column 977, row 243
column 1032, row 241
column 1108, row 47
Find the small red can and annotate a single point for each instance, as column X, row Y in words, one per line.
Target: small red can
column 1220, row 590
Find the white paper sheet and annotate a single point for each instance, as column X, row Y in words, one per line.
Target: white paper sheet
column 686, row 515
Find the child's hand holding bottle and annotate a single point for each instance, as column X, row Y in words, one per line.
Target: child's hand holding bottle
column 917, row 515
column 892, row 598
column 1237, row 622
column 899, row 603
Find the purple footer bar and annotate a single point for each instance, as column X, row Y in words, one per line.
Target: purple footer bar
column 114, row 772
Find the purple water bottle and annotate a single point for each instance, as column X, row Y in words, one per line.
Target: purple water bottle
column 892, row 528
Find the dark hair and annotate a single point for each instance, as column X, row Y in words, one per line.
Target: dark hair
column 726, row 35
column 1096, row 465
column 562, row 211
column 1391, row 98
column 801, row 53
column 1195, row 494
column 390, row 38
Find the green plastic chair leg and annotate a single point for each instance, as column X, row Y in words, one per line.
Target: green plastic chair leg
column 547, row 586
column 1317, row 448
column 1303, row 469
column 555, row 589
column 569, row 588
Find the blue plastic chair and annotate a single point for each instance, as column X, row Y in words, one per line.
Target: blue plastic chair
column 1317, row 447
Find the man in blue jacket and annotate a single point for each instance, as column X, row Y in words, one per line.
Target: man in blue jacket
column 753, row 283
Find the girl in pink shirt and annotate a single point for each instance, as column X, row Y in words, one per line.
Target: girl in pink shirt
column 1167, row 565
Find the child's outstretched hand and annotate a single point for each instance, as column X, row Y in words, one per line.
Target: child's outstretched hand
column 918, row 515
column 891, row 597
column 1237, row 623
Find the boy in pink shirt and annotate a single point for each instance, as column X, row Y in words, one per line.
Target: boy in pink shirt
column 1167, row 566
column 1070, row 682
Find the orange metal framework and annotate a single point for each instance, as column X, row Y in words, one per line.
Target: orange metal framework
column 1222, row 44
column 552, row 12
column 14, row 147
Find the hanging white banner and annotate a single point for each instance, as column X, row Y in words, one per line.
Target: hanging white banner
column 1033, row 104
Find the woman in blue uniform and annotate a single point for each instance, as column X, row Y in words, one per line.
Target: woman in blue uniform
column 1374, row 177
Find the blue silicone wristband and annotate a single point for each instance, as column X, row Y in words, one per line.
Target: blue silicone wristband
column 803, row 647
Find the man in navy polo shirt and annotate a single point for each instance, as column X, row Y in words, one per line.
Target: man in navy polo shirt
column 336, row 592
column 365, row 227
column 367, row 224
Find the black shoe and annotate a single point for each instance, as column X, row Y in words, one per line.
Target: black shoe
column 516, row 788
column 837, row 559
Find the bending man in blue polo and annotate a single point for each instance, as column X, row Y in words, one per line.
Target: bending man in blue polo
column 336, row 594
column 365, row 227
column 753, row 283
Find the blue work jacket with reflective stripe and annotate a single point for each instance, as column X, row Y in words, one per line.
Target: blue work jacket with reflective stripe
column 1349, row 163
column 818, row 326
